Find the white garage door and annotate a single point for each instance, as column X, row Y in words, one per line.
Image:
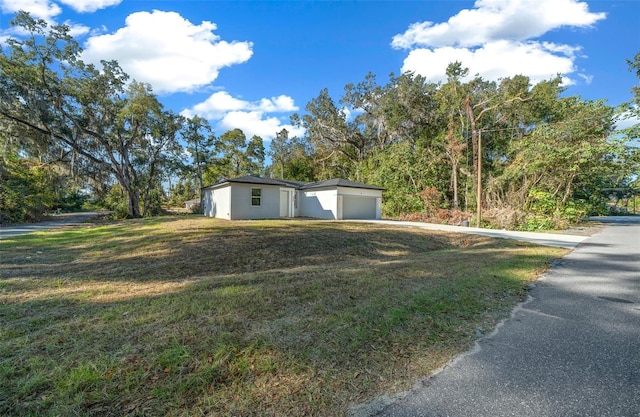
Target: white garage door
column 358, row 207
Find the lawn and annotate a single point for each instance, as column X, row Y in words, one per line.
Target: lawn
column 188, row 316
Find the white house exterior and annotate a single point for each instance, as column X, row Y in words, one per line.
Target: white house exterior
column 252, row 197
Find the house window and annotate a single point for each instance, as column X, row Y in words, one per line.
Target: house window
column 256, row 197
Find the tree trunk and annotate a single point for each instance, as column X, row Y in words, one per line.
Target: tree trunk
column 454, row 178
column 133, row 203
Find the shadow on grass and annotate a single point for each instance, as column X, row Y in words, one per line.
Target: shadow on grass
column 241, row 318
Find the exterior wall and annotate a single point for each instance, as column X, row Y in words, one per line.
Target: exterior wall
column 241, row 202
column 233, row 202
column 297, row 203
column 320, row 204
column 217, row 202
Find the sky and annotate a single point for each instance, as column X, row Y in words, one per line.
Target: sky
column 251, row 65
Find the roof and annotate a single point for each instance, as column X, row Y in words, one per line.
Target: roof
column 300, row 185
column 339, row 182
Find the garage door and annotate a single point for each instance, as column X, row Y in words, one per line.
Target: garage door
column 358, row 207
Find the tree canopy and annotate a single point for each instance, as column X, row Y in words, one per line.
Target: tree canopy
column 527, row 155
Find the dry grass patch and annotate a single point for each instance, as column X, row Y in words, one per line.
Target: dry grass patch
column 196, row 316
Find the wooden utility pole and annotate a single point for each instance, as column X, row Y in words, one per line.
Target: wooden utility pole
column 479, row 179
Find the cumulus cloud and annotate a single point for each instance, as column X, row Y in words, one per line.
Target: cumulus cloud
column 498, row 38
column 90, row 6
column 40, row 9
column 167, row 51
column 628, row 119
column 532, row 59
column 48, row 10
column 493, row 20
column 255, row 123
column 251, row 117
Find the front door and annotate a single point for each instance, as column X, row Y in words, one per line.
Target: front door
column 284, row 203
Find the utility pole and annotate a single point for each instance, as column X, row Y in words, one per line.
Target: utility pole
column 479, row 179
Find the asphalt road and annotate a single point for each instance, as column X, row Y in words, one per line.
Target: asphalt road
column 573, row 349
column 60, row 220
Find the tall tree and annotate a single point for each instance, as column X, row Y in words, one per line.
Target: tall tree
column 450, row 98
column 46, row 89
column 201, row 143
column 236, row 156
column 280, row 152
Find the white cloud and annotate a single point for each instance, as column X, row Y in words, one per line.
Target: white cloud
column 277, row 104
column 628, row 119
column 494, row 60
column 218, row 104
column 496, row 39
column 89, row 6
column 77, row 29
column 40, row 9
column 167, row 51
column 491, row 20
column 254, row 123
column 251, row 117
column 49, row 10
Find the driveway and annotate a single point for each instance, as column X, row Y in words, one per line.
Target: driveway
column 548, row 239
column 572, row 349
column 60, row 220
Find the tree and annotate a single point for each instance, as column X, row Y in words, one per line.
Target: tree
column 290, row 158
column 280, row 152
column 74, row 108
column 450, row 97
column 235, row 156
column 201, row 142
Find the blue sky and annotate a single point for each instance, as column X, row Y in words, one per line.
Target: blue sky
column 250, row 65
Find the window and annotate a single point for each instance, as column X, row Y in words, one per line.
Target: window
column 256, row 197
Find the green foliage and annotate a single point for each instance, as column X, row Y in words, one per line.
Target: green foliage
column 26, row 193
column 104, row 128
column 72, row 199
column 290, row 158
column 542, row 156
column 116, row 201
column 235, row 156
column 545, row 213
column 184, row 190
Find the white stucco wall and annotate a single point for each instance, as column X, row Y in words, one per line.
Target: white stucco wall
column 217, row 202
column 321, row 204
column 233, row 202
column 241, row 202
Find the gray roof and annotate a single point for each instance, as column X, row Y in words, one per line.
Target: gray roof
column 339, row 182
column 300, row 185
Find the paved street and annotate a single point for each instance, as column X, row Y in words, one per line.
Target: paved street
column 55, row 222
column 573, row 349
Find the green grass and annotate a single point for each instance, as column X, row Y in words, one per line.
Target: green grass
column 195, row 316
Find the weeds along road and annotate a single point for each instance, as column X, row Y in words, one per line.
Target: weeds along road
column 573, row 349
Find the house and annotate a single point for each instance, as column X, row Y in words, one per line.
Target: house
column 192, row 204
column 251, row 197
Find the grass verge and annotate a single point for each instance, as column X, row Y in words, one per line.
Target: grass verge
column 188, row 316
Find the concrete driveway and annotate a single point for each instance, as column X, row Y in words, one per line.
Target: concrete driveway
column 60, row 220
column 547, row 239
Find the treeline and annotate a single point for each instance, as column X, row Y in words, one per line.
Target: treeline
column 527, row 156
column 70, row 132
